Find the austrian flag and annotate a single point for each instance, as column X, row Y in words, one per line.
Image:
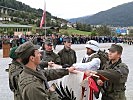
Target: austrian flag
column 43, row 16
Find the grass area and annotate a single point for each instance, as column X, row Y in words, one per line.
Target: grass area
column 74, row 31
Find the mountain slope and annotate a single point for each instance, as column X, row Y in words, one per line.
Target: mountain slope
column 80, row 19
column 24, row 14
column 121, row 15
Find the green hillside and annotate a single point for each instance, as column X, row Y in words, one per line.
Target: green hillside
column 24, row 14
column 74, row 31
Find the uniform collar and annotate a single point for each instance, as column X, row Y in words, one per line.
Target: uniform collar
column 37, row 73
column 49, row 52
column 90, row 55
column 115, row 64
column 17, row 63
column 66, row 49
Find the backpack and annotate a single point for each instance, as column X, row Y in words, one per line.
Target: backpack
column 103, row 56
column 13, row 79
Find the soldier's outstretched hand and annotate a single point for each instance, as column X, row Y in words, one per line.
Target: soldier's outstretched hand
column 100, row 82
column 72, row 70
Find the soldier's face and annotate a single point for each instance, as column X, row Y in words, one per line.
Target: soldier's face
column 37, row 57
column 48, row 47
column 89, row 51
column 68, row 44
column 114, row 55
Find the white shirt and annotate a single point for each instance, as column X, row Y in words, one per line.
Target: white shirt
column 94, row 64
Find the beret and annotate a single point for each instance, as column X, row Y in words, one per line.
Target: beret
column 12, row 53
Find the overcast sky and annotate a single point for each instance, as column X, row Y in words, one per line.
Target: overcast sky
column 74, row 8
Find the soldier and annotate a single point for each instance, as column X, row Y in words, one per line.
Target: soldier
column 14, row 70
column 116, row 72
column 91, row 61
column 67, row 55
column 48, row 55
column 33, row 82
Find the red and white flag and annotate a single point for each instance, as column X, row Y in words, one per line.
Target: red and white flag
column 43, row 16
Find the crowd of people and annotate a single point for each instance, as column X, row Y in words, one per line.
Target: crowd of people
column 58, row 39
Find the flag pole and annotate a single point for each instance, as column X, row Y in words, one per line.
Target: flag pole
column 45, row 29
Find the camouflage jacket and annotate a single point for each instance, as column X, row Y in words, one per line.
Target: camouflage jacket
column 33, row 84
column 50, row 56
column 67, row 56
column 117, row 74
column 15, row 69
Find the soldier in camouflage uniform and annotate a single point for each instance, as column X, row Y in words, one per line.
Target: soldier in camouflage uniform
column 33, row 82
column 116, row 72
column 48, row 55
column 14, row 70
column 67, row 55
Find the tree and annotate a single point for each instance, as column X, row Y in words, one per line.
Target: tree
column 33, row 30
column 64, row 26
column 10, row 31
column 103, row 31
column 1, row 31
column 24, row 14
column 93, row 33
column 130, row 32
column 49, row 31
column 83, row 27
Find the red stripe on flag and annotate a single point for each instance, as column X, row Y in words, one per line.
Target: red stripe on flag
column 43, row 16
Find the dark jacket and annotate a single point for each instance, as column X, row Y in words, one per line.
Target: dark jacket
column 33, row 85
column 117, row 74
column 51, row 56
column 67, row 56
column 15, row 69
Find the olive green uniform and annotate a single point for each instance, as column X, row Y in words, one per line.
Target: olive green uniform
column 67, row 56
column 33, row 84
column 14, row 70
column 114, row 88
column 48, row 56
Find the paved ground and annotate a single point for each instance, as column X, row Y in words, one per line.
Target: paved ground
column 6, row 94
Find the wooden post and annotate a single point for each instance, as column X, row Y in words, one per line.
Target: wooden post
column 6, row 50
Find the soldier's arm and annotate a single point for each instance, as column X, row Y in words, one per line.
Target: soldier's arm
column 92, row 65
column 116, row 74
column 59, row 53
column 111, row 74
column 43, row 64
column 58, row 60
column 75, row 57
column 53, row 74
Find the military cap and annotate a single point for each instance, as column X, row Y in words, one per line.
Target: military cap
column 67, row 39
column 48, row 42
column 116, row 47
column 24, row 49
column 13, row 54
